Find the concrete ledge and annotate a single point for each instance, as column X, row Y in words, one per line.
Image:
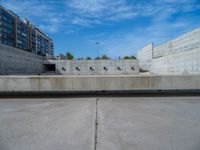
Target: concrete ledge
column 97, row 83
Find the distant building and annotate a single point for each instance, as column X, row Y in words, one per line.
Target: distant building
column 177, row 56
column 61, row 57
column 23, row 35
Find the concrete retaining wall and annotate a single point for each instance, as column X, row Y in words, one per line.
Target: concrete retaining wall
column 187, row 62
column 145, row 56
column 92, row 83
column 16, row 61
column 181, row 55
column 178, row 56
column 96, row 67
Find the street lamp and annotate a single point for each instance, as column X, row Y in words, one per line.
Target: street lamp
column 97, row 44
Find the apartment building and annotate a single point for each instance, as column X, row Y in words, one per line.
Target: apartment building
column 7, row 28
column 23, row 35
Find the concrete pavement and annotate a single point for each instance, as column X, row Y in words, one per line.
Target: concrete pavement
column 157, row 123
column 139, row 123
column 47, row 124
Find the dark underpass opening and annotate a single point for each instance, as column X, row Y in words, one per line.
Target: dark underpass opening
column 49, row 67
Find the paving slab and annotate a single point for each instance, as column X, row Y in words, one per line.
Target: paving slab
column 39, row 124
column 139, row 123
column 157, row 123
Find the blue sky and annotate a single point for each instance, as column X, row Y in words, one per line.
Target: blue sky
column 120, row 26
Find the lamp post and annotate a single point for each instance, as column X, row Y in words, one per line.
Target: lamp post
column 97, row 44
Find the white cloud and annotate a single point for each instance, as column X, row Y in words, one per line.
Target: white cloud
column 88, row 6
column 101, row 10
column 84, row 21
column 95, row 12
column 88, row 11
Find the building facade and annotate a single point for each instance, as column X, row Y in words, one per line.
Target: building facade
column 23, row 35
column 7, row 28
column 177, row 56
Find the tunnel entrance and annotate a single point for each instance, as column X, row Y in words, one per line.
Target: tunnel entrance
column 50, row 67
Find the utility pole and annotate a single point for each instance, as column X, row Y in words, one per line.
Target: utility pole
column 97, row 44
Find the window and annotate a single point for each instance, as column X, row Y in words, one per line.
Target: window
column 19, row 42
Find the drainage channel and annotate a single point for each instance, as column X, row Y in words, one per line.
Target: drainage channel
column 96, row 124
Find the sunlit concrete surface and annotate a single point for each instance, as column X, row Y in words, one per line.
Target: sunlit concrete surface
column 139, row 123
column 98, row 83
column 177, row 56
column 170, row 123
column 47, row 124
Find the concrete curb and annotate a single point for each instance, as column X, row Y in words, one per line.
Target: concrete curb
column 110, row 93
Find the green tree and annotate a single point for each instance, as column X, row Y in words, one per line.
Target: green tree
column 88, row 58
column 69, row 56
column 133, row 57
column 105, row 57
column 129, row 57
column 97, row 58
column 126, row 57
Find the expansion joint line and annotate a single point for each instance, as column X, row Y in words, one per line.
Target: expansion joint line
column 96, row 124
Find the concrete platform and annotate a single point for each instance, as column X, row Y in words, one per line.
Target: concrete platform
column 139, row 123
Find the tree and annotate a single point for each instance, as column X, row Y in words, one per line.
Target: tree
column 88, row 58
column 126, row 57
column 105, row 57
column 129, row 57
column 97, row 58
column 69, row 56
column 81, row 58
column 133, row 57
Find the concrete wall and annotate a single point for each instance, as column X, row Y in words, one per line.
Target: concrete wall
column 179, row 63
column 93, row 83
column 96, row 67
column 181, row 55
column 178, row 56
column 16, row 61
column 145, row 56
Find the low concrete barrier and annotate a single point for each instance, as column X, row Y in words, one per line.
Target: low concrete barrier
column 97, row 83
